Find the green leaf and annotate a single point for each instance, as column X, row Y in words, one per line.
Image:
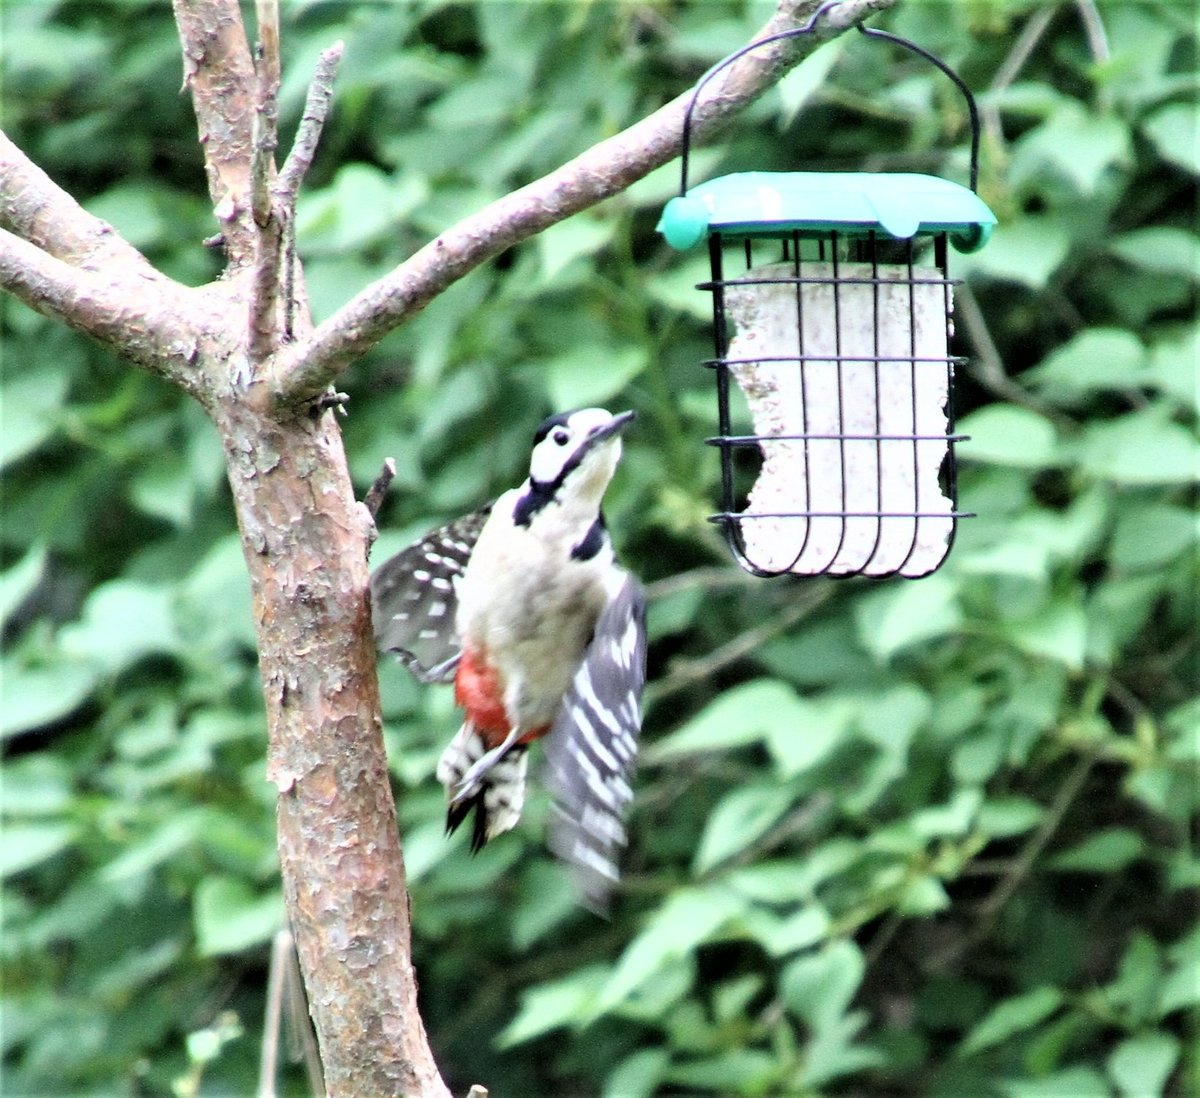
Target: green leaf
column 922, row 896
column 740, row 1071
column 638, row 1075
column 1003, row 817
column 1140, row 448
column 1181, row 988
column 1173, row 361
column 591, row 375
column 1005, row 434
column 741, row 817
column 781, row 935
column 568, row 240
column 898, row 617
column 123, row 620
column 1028, row 251
column 1010, row 1017
column 1141, row 1065
column 1160, row 248
column 1138, row 983
column 164, row 489
column 1108, row 851
column 17, row 582
column 953, row 818
column 1173, row 131
column 36, row 785
column 1075, row 144
column 1073, row 1082
column 30, row 411
column 553, row 1005
column 807, row 78
column 1058, row 632
column 1149, row 534
column 229, row 918
column 37, row 696
column 162, row 843
column 807, row 736
column 28, row 844
column 362, row 206
column 818, row 988
column 1095, row 359
column 131, row 209
column 687, row 918
column 739, row 716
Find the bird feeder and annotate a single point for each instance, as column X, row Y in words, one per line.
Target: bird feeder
column 832, row 313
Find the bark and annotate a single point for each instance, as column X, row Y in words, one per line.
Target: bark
column 305, row 541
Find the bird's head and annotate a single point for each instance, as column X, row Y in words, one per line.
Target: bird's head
column 577, row 452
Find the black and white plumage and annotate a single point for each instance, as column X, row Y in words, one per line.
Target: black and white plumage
column 413, row 599
column 523, row 604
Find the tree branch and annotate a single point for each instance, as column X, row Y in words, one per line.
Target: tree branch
column 263, row 328
column 312, row 121
column 219, row 73
column 295, row 168
column 154, row 330
column 34, row 207
column 307, row 368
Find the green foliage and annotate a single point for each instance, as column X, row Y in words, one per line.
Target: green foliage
column 932, row 839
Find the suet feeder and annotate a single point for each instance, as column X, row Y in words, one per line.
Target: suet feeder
column 832, row 314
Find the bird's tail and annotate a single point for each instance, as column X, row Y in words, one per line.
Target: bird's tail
column 496, row 793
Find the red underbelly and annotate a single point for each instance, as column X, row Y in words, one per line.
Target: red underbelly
column 478, row 689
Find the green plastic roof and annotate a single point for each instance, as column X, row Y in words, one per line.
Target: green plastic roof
column 769, row 203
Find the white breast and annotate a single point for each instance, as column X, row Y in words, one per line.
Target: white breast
column 530, row 606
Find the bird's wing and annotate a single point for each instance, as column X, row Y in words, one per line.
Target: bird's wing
column 591, row 750
column 413, row 598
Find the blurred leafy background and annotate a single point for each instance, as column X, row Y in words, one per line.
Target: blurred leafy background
column 902, row 838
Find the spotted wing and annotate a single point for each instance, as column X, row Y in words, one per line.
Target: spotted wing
column 413, row 598
column 591, row 750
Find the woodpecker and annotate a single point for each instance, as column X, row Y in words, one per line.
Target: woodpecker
column 523, row 606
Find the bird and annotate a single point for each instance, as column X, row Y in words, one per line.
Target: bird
column 523, row 605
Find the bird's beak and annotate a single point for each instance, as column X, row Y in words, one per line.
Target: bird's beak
column 614, row 426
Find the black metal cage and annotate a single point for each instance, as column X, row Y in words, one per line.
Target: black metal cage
column 832, row 324
column 887, row 522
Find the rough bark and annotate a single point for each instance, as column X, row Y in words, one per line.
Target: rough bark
column 305, row 541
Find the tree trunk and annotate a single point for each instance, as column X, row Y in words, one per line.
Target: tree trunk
column 305, row 540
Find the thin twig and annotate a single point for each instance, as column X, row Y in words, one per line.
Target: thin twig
column 264, row 289
column 312, row 121
column 266, row 110
column 993, row 905
column 708, row 579
column 302, row 1022
column 1010, row 69
column 986, row 365
column 295, row 168
column 374, row 497
column 268, row 1061
column 685, row 672
column 1097, row 36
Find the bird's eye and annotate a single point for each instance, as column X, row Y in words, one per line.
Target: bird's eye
column 561, row 437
